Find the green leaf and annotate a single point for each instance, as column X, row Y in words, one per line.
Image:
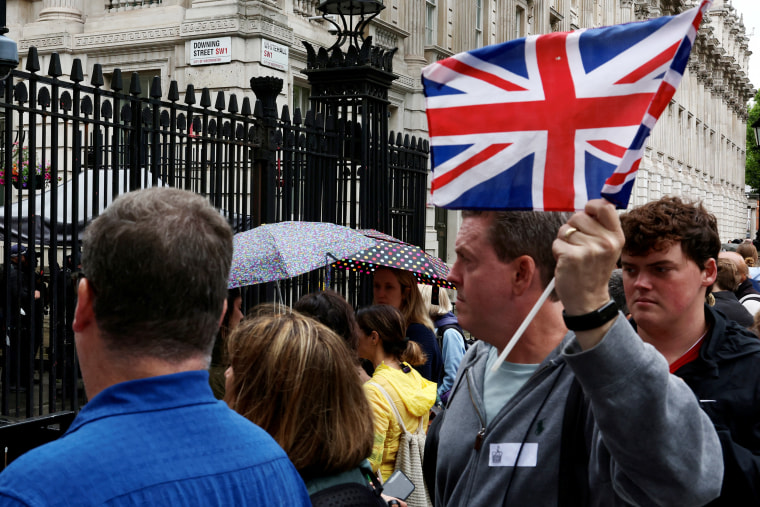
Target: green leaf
column 752, row 166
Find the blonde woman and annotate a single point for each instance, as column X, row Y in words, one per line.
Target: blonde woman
column 448, row 334
column 382, row 341
column 398, row 288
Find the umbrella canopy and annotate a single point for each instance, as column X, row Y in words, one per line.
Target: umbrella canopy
column 286, row 249
column 393, row 253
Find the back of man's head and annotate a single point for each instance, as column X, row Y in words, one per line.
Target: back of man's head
column 728, row 275
column 531, row 233
column 738, row 260
column 158, row 261
column 657, row 225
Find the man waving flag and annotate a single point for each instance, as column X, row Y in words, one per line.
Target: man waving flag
column 548, row 122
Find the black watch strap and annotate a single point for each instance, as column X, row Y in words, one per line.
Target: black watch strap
column 591, row 320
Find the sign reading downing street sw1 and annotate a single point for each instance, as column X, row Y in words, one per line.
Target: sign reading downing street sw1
column 210, row 51
column 274, row 55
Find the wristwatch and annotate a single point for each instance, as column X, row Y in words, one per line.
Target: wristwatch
column 591, row 320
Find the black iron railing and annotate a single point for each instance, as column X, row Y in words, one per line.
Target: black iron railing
column 92, row 144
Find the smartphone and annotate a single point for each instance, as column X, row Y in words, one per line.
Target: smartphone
column 398, row 485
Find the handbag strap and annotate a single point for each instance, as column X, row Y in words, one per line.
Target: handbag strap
column 395, row 410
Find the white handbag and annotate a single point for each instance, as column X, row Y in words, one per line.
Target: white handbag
column 411, row 453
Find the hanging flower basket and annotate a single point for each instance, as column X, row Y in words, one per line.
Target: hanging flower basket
column 21, row 171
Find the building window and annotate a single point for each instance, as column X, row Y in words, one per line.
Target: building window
column 301, row 96
column 519, row 22
column 144, row 77
column 431, row 22
column 478, row 23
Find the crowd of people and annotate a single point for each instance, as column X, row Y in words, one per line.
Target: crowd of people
column 635, row 383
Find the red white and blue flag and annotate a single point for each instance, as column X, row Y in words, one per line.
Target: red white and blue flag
column 549, row 122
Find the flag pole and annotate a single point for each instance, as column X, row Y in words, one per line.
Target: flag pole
column 528, row 319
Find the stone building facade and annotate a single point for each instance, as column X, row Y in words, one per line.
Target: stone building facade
column 697, row 149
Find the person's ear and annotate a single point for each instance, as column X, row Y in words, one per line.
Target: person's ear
column 709, row 273
column 374, row 336
column 524, row 273
column 84, row 314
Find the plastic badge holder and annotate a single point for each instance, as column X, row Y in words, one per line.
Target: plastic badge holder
column 398, row 485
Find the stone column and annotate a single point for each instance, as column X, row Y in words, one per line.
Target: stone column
column 61, row 10
column 415, row 43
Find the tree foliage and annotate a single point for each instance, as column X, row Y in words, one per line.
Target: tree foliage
column 752, row 167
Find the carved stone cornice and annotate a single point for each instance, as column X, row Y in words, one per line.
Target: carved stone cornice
column 694, row 67
column 234, row 25
column 166, row 34
column 641, row 11
column 61, row 43
column 210, row 27
column 263, row 26
column 647, row 9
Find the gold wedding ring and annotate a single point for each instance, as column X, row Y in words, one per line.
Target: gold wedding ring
column 569, row 232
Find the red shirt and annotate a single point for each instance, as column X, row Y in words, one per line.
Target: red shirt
column 689, row 356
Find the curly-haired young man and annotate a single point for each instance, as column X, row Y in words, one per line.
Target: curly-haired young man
column 669, row 264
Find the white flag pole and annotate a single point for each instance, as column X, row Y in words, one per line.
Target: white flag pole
column 528, row 319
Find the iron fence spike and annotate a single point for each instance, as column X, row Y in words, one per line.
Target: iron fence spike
column 155, row 87
column 54, row 67
column 173, row 91
column 219, row 106
column 117, row 84
column 97, row 76
column 32, row 60
column 77, row 73
column 190, row 95
column 134, row 85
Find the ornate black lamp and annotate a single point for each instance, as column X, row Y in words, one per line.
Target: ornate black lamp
column 8, row 47
column 756, row 127
column 349, row 29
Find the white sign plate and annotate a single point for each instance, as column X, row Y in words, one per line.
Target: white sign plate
column 274, row 55
column 210, row 51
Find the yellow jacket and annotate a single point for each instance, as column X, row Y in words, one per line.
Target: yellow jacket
column 413, row 396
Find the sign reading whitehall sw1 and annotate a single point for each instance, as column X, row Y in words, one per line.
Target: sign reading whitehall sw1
column 208, row 51
column 274, row 55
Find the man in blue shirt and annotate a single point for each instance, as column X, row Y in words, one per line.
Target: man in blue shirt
column 155, row 269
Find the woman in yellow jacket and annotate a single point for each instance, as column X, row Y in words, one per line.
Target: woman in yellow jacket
column 382, row 341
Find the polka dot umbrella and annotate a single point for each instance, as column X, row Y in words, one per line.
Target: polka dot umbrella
column 283, row 250
column 394, row 253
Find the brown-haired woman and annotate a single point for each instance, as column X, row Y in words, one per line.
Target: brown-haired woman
column 749, row 253
column 296, row 379
column 398, row 288
column 382, row 341
column 232, row 317
column 331, row 309
column 723, row 295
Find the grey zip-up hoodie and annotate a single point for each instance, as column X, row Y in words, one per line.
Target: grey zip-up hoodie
column 649, row 441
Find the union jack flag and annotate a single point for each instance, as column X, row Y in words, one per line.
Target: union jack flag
column 549, row 122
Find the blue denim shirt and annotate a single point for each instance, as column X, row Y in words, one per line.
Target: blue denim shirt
column 156, row 441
